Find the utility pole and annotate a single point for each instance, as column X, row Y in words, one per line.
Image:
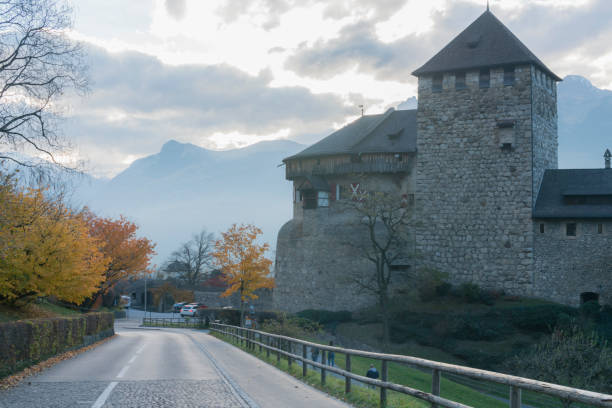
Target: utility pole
column 145, row 296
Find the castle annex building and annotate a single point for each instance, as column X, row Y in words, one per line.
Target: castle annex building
column 477, row 164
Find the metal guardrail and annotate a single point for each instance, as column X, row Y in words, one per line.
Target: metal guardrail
column 283, row 345
column 195, row 322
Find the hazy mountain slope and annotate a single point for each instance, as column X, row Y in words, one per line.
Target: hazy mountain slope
column 585, row 123
column 184, row 188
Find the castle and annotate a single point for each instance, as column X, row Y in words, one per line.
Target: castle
column 477, row 163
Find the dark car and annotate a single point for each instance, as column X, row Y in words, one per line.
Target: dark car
column 178, row 306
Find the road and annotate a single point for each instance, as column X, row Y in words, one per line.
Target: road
column 164, row 368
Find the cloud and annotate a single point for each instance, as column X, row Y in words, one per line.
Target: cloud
column 176, row 8
column 568, row 39
column 137, row 103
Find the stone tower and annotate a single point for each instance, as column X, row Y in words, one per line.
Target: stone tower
column 487, row 130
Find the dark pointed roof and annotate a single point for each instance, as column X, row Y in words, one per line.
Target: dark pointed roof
column 391, row 132
column 487, row 42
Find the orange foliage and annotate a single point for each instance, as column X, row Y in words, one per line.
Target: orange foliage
column 128, row 255
column 242, row 261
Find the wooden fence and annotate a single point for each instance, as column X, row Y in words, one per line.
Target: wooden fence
column 283, row 345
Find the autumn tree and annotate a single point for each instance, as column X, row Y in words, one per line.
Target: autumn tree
column 45, row 249
column 191, row 262
column 243, row 264
column 39, row 63
column 128, row 254
column 384, row 219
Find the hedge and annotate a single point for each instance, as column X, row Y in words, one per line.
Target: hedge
column 27, row 342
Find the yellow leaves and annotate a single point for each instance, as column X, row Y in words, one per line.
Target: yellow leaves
column 45, row 249
column 242, row 261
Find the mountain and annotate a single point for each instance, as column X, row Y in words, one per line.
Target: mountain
column 585, row 123
column 175, row 193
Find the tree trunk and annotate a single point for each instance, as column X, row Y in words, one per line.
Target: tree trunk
column 241, row 310
column 384, row 309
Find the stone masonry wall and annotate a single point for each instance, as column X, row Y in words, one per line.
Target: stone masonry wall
column 568, row 266
column 474, row 199
column 318, row 252
column 544, row 117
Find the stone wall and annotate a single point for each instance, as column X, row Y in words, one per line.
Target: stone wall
column 319, row 252
column 568, row 266
column 474, row 199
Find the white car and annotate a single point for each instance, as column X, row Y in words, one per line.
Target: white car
column 189, row 310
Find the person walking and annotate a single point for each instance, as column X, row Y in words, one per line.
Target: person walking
column 331, row 356
column 315, row 354
column 372, row 373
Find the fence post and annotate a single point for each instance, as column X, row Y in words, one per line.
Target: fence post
column 323, row 369
column 268, row 348
column 435, row 385
column 304, row 356
column 515, row 397
column 278, row 346
column 347, row 380
column 289, row 359
column 383, row 377
column 259, row 338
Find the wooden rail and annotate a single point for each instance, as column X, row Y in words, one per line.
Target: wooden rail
column 283, row 345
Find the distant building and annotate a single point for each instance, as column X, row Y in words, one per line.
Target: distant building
column 478, row 162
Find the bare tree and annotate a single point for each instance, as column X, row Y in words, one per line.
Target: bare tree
column 385, row 218
column 192, row 261
column 38, row 64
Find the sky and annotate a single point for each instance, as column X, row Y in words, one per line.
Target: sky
column 228, row 73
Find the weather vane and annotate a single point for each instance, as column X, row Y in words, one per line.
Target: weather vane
column 361, row 107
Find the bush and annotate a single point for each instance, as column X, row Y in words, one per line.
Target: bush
column 590, row 309
column 470, row 292
column 431, row 284
column 26, row 342
column 326, row 317
column 291, row 326
column 542, row 318
column 568, row 357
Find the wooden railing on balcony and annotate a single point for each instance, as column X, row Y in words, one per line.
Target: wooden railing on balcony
column 381, row 163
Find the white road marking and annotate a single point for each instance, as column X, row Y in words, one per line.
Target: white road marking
column 132, row 359
column 123, row 370
column 140, row 349
column 104, row 396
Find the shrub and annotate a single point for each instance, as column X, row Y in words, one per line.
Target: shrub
column 541, row 318
column 443, row 289
column 429, row 280
column 568, row 357
column 470, row 292
column 326, row 317
column 590, row 309
column 291, row 326
column 26, row 342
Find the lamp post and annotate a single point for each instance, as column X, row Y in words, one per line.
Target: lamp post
column 145, row 297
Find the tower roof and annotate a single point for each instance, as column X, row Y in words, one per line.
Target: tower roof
column 487, row 42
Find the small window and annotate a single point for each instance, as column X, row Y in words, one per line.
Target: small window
column 570, row 229
column 485, row 78
column 541, row 228
column 437, row 83
column 309, row 199
column 600, row 228
column 318, row 161
column 509, row 76
column 323, row 199
column 506, row 147
column 460, row 80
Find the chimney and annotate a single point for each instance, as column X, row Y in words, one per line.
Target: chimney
column 607, row 156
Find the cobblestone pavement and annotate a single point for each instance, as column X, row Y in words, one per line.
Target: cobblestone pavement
column 163, row 368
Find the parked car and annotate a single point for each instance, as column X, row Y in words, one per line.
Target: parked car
column 178, row 306
column 192, row 309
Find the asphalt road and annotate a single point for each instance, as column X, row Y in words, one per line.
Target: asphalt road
column 163, row 368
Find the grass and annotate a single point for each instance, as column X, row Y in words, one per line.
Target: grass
column 400, row 374
column 34, row 311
